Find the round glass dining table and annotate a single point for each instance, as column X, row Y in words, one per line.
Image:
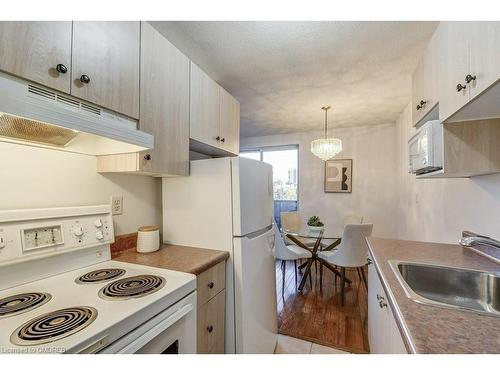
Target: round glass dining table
column 314, row 241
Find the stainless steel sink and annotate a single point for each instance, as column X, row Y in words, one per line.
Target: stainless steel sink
column 454, row 288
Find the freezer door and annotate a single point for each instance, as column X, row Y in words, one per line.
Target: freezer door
column 252, row 190
column 255, row 293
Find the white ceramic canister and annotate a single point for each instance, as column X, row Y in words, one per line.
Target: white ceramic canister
column 148, row 239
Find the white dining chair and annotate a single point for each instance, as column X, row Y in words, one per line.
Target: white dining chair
column 351, row 253
column 352, row 219
column 285, row 252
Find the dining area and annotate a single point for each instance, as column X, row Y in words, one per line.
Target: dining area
column 321, row 280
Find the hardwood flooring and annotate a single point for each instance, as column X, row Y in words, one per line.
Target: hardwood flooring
column 317, row 316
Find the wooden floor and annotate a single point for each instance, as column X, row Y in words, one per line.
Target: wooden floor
column 317, row 316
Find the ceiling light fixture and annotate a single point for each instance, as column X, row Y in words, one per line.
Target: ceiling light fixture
column 326, row 148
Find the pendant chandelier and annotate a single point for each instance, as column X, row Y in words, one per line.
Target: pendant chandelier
column 326, row 148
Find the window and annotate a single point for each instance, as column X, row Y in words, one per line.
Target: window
column 284, row 160
column 251, row 155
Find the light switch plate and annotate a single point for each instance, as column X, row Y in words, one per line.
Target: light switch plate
column 117, row 205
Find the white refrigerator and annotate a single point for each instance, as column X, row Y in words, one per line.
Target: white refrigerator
column 227, row 204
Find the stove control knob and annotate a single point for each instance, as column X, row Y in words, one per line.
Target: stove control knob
column 98, row 223
column 99, row 235
column 78, row 231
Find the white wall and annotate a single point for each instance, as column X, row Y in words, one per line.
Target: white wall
column 32, row 177
column 438, row 210
column 372, row 149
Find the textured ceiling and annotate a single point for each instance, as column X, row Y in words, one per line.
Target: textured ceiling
column 283, row 72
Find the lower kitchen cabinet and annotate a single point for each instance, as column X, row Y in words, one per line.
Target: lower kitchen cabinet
column 211, row 310
column 383, row 333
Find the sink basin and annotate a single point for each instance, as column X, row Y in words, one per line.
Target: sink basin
column 455, row 288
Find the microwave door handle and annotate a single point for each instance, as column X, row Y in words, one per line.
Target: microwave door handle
column 135, row 345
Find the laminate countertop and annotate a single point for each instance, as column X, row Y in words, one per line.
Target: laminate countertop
column 432, row 329
column 174, row 257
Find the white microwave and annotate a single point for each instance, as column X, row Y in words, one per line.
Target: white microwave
column 426, row 149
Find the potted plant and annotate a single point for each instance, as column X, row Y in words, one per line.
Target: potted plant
column 314, row 224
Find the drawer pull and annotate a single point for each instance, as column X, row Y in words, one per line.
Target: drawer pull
column 210, row 284
column 210, row 328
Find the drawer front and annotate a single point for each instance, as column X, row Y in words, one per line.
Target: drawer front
column 211, row 282
column 211, row 325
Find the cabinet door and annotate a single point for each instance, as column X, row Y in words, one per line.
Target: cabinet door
column 108, row 54
column 417, row 92
column 204, row 108
column 229, row 122
column 377, row 333
column 164, row 103
column 431, row 77
column 383, row 333
column 454, row 49
column 484, row 55
column 32, row 50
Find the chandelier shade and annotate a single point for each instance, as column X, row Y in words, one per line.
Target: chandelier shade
column 326, row 148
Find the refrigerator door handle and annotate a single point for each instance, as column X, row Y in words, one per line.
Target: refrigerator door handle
column 259, row 233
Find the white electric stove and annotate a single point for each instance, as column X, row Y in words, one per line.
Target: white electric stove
column 60, row 292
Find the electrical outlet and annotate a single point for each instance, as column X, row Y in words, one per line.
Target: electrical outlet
column 117, row 205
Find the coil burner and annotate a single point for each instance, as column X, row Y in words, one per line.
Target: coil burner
column 21, row 303
column 54, row 326
column 99, row 276
column 132, row 287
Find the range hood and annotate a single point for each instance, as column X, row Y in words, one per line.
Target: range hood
column 35, row 115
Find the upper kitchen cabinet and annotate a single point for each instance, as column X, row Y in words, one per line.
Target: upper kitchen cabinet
column 105, row 65
column 204, row 108
column 37, row 51
column 164, row 111
column 484, row 56
column 214, row 116
column 164, row 103
column 229, row 122
column 425, row 82
column 468, row 67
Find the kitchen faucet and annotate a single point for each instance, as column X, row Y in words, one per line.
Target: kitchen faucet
column 471, row 240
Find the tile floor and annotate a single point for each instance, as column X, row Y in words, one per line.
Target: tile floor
column 291, row 345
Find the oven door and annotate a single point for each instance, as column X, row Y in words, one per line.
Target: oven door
column 173, row 331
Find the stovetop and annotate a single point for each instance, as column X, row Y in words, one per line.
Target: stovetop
column 70, row 311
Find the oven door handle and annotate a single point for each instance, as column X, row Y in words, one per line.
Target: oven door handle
column 156, row 330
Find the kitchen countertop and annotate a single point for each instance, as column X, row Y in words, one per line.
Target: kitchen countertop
column 174, row 257
column 432, row 329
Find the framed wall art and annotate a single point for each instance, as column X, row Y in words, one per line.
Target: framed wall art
column 338, row 176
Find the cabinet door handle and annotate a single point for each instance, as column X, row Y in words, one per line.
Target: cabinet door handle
column 211, row 285
column 382, row 304
column 460, row 87
column 368, row 261
column 147, row 157
column 61, row 68
column 379, row 297
column 210, row 329
column 84, row 78
column 223, row 140
column 469, row 78
column 217, row 138
column 421, row 105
